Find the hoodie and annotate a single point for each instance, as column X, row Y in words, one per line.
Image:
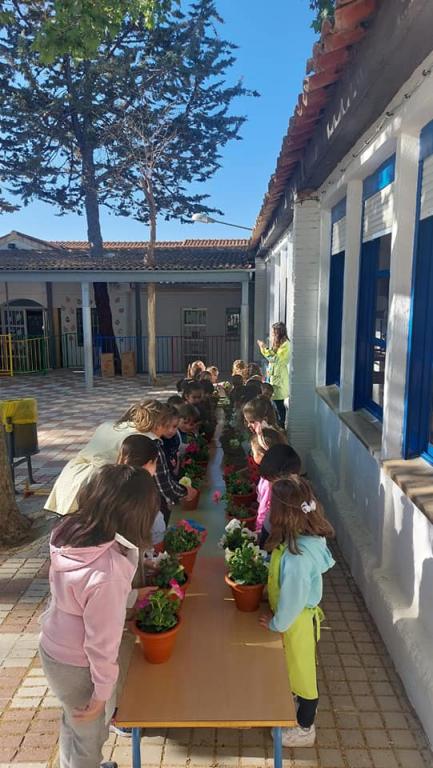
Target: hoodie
column 301, row 583
column 84, row 622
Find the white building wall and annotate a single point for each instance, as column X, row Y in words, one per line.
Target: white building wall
column 386, row 539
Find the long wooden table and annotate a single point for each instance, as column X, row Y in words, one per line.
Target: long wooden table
column 226, row 671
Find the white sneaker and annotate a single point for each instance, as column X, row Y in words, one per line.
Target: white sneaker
column 299, row 737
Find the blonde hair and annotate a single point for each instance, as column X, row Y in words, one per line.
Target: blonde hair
column 240, row 368
column 195, row 368
column 147, row 415
column 266, row 437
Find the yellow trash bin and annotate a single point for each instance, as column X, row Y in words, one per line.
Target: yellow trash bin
column 19, row 418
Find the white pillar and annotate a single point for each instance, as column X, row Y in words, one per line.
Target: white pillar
column 305, row 276
column 260, row 299
column 325, row 265
column 283, row 284
column 403, row 237
column 87, row 335
column 350, row 293
column 245, row 321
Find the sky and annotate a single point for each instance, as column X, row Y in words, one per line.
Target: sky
column 275, row 39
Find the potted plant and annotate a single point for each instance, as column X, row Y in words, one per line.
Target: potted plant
column 190, row 479
column 240, row 512
column 240, row 490
column 247, row 575
column 235, row 534
column 184, row 541
column 169, row 571
column 157, row 624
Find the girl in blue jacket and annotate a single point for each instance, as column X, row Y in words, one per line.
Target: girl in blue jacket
column 299, row 558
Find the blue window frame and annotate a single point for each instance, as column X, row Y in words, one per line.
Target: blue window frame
column 418, row 432
column 335, row 304
column 373, row 304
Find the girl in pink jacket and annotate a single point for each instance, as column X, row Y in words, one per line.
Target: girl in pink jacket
column 94, row 555
column 261, row 442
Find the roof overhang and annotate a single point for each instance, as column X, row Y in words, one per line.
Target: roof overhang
column 88, row 276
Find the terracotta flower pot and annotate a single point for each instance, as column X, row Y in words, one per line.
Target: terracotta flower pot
column 190, row 506
column 250, row 522
column 157, row 646
column 243, row 499
column 187, row 559
column 247, row 597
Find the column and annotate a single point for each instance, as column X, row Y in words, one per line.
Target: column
column 138, row 327
column 244, row 321
column 400, row 288
column 260, row 298
column 350, row 296
column 305, row 276
column 87, row 335
column 49, row 331
column 325, row 263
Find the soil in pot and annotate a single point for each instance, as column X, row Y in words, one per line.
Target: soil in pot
column 157, row 646
column 247, row 597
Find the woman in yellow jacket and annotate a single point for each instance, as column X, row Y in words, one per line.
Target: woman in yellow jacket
column 278, row 367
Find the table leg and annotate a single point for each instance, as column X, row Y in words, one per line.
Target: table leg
column 136, row 748
column 278, row 748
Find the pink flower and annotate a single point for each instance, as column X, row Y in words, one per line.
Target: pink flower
column 192, row 448
column 176, row 589
column 217, row 497
column 185, row 524
column 143, row 603
column 186, row 462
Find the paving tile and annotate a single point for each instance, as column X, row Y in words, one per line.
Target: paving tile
column 226, row 759
column 331, row 758
column 203, row 756
column 304, row 758
column 410, row 758
column 383, row 758
column 358, row 758
column 351, row 738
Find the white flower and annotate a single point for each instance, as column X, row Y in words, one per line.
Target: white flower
column 233, row 525
column 228, row 555
column 247, row 534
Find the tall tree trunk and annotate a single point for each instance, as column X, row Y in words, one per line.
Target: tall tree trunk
column 151, row 289
column 13, row 525
column 102, row 297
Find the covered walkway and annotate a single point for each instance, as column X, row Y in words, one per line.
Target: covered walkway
column 364, row 719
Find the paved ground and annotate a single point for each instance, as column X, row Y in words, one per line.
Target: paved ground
column 364, row 719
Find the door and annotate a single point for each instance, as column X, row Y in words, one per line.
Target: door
column 194, row 325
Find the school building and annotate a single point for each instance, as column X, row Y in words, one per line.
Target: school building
column 344, row 254
column 204, row 295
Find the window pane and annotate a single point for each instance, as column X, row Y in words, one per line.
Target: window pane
column 378, row 379
column 384, row 256
column 381, row 308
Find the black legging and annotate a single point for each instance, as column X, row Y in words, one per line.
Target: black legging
column 281, row 408
column 306, row 711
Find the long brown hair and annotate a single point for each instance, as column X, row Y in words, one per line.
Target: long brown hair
column 266, row 438
column 280, row 334
column 137, row 450
column 116, row 499
column 146, row 416
column 289, row 520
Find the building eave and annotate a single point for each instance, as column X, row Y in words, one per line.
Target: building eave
column 89, row 276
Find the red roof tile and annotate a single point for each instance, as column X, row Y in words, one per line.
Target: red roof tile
column 327, row 64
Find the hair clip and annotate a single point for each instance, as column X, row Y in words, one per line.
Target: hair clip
column 308, row 507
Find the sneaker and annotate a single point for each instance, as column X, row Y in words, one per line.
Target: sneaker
column 125, row 732
column 299, row 737
column 109, row 764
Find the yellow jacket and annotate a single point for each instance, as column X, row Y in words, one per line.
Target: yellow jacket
column 278, row 369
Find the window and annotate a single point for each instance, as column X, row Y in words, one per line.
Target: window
column 373, row 297
column 95, row 325
column 233, row 322
column 194, row 322
column 336, row 284
column 418, row 438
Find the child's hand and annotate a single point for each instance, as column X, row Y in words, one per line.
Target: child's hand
column 90, row 712
column 144, row 592
column 265, row 619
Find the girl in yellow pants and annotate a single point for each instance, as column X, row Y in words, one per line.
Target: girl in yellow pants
column 299, row 558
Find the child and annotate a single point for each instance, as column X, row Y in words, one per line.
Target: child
column 258, row 412
column 259, row 444
column 254, row 371
column 268, row 392
column 192, row 392
column 299, row 558
column 171, row 441
column 214, row 373
column 189, row 420
column 239, row 368
column 279, row 461
column 94, row 555
column 175, row 401
column 142, row 452
column 195, row 369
